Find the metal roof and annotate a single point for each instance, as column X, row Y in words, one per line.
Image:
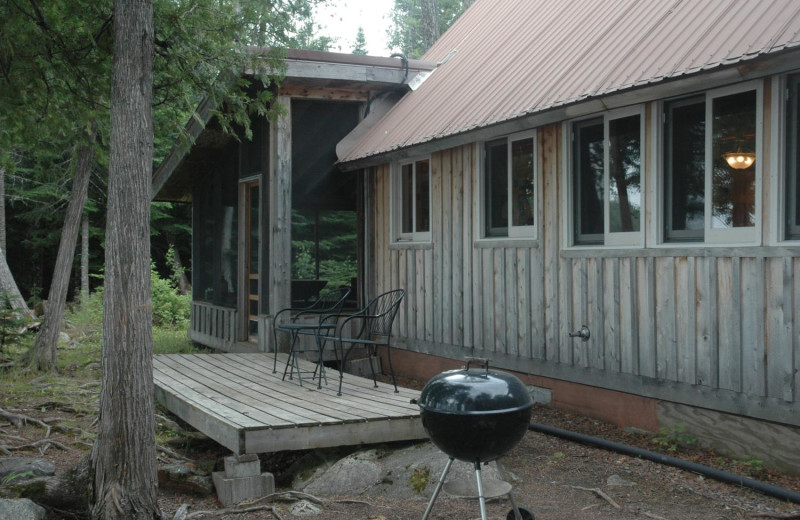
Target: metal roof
column 519, row 57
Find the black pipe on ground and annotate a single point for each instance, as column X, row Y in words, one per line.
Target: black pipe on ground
column 632, row 451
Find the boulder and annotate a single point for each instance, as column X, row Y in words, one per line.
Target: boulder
column 21, row 509
column 18, row 469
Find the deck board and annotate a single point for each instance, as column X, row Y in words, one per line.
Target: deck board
column 236, row 400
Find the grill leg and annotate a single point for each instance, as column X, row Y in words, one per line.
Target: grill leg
column 503, row 473
column 438, row 488
column 481, row 498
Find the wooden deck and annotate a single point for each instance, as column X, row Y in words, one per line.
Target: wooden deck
column 236, row 400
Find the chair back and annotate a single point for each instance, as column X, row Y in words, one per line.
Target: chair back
column 381, row 312
column 330, row 301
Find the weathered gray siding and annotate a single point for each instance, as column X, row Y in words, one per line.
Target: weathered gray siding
column 710, row 327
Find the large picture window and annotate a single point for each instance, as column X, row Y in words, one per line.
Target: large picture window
column 710, row 161
column 509, row 187
column 607, row 179
column 414, row 201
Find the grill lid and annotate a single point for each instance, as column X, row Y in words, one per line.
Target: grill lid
column 474, row 391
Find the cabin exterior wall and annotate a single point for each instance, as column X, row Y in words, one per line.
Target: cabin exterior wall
column 710, row 327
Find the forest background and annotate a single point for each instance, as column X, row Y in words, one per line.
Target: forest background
column 54, row 69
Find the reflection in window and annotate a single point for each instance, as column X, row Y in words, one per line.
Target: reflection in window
column 508, row 187
column 496, row 172
column 685, row 168
column 733, row 188
column 522, row 202
column 710, row 144
column 415, row 197
column 588, row 181
column 793, row 158
column 624, row 174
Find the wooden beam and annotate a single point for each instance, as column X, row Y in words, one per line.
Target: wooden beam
column 279, row 189
column 330, row 94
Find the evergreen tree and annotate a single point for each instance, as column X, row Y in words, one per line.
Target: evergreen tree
column 361, row 42
column 417, row 24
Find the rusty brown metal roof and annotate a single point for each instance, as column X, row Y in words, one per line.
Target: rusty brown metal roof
column 519, row 57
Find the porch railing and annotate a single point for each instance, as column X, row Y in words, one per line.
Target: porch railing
column 214, row 326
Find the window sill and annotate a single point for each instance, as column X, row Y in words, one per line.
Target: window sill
column 410, row 244
column 489, row 243
column 699, row 250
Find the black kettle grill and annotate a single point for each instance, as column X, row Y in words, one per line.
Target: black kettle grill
column 475, row 415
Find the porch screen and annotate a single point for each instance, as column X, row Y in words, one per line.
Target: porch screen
column 214, row 238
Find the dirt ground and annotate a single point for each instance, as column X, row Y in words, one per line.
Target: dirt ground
column 553, row 478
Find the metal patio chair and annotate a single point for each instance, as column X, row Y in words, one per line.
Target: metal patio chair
column 370, row 327
column 306, row 321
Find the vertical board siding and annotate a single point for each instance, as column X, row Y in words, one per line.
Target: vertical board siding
column 709, row 320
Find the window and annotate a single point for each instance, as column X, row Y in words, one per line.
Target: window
column 792, row 225
column 607, row 179
column 414, row 222
column 710, row 158
column 509, row 194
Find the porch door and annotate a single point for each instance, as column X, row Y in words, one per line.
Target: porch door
column 250, row 254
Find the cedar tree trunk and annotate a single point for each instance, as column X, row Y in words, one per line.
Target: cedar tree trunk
column 8, row 287
column 43, row 354
column 124, row 453
column 84, row 257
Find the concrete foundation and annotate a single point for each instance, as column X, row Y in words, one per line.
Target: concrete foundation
column 242, row 480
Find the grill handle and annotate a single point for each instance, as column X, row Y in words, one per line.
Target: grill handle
column 479, row 361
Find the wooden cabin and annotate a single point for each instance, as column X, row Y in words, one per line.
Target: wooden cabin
column 601, row 197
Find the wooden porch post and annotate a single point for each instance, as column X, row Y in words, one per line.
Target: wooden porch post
column 278, row 233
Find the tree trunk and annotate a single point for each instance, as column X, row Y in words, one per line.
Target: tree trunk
column 43, row 355
column 8, row 287
column 184, row 285
column 430, row 23
column 124, row 453
column 84, row 257
column 3, row 209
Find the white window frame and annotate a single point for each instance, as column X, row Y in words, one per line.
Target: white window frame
column 512, row 231
column 397, row 201
column 717, row 236
column 617, row 239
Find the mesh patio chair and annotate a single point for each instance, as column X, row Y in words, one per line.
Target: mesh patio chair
column 306, row 321
column 370, row 327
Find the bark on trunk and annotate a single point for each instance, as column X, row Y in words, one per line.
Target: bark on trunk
column 430, row 23
column 43, row 355
column 84, row 257
column 124, row 454
column 3, row 209
column 8, row 287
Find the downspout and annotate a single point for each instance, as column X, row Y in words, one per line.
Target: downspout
column 632, row 451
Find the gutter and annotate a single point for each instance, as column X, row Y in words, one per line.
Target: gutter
column 632, row 451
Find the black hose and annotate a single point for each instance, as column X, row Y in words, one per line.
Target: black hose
column 632, row 451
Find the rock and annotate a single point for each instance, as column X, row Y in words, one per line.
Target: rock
column 18, row 469
column 616, row 480
column 63, row 338
column 184, row 478
column 353, row 475
column 407, row 472
column 304, row 508
column 22, row 509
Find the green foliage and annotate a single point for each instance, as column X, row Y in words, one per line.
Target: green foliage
column 671, row 439
column 11, row 477
column 752, row 465
column 361, row 42
column 405, row 32
column 169, row 307
column 335, row 252
column 419, row 479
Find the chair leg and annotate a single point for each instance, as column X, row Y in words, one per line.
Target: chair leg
column 372, row 352
column 291, row 360
column 391, row 370
column 275, row 349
